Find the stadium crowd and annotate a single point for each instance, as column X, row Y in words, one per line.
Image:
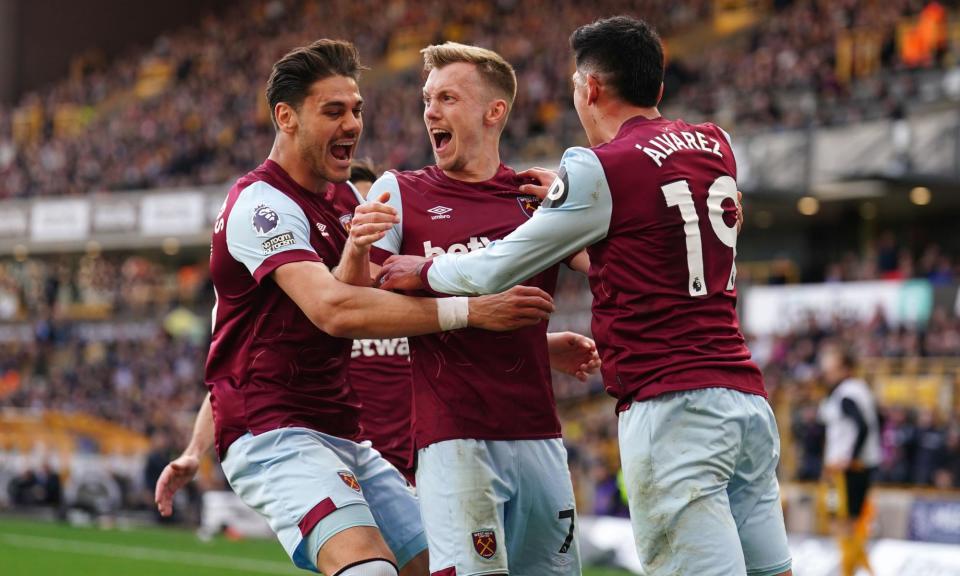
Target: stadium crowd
column 888, row 259
column 149, row 118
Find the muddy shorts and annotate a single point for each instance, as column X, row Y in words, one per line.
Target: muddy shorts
column 701, row 474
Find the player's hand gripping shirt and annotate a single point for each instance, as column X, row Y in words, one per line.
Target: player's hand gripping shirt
column 657, row 207
column 471, row 383
column 269, row 366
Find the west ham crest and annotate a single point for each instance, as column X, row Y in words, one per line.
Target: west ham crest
column 528, row 204
column 347, row 221
column 350, row 480
column 485, row 543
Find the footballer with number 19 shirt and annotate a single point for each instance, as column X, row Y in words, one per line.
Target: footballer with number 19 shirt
column 655, row 203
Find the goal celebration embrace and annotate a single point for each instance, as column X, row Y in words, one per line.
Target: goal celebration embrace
column 392, row 288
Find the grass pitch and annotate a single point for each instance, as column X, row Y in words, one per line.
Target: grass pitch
column 29, row 548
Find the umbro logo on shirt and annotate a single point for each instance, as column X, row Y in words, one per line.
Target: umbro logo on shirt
column 323, row 230
column 440, row 212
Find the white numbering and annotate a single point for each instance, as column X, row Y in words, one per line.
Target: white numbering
column 678, row 194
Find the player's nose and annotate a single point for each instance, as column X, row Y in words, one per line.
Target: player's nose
column 431, row 112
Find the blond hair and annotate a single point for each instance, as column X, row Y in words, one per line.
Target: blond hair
column 494, row 70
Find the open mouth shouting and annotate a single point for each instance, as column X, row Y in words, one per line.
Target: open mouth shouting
column 441, row 138
column 342, row 150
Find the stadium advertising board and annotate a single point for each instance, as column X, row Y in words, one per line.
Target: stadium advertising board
column 935, row 521
column 13, row 222
column 173, row 214
column 60, row 220
column 114, row 215
column 777, row 309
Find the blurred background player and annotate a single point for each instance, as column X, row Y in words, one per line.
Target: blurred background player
column 655, row 203
column 492, row 474
column 283, row 416
column 852, row 453
column 380, row 375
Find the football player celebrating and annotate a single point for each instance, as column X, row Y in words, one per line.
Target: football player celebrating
column 492, row 476
column 280, row 409
column 655, row 203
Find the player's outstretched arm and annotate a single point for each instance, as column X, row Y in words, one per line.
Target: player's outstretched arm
column 573, row 354
column 355, row 312
column 371, row 222
column 181, row 471
column 575, row 214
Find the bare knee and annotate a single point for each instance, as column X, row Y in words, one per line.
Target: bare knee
column 351, row 546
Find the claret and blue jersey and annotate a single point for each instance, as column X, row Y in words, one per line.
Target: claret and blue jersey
column 657, row 209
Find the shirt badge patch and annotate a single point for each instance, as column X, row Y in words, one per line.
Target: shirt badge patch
column 347, row 221
column 557, row 193
column 351, row 481
column 528, row 204
column 265, row 219
column 278, row 242
column 485, row 543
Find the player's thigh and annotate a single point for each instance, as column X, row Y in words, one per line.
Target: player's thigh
column 462, row 508
column 295, row 481
column 351, row 546
column 393, row 502
column 755, row 493
column 678, row 452
column 540, row 521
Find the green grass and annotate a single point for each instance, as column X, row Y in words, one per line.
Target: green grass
column 29, row 548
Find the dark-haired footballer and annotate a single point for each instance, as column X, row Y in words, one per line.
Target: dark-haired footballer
column 655, row 203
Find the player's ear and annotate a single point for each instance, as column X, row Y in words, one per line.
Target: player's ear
column 496, row 111
column 286, row 116
column 660, row 94
column 593, row 89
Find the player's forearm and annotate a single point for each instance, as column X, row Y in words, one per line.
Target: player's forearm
column 203, row 431
column 372, row 313
column 351, row 311
column 499, row 266
column 354, row 266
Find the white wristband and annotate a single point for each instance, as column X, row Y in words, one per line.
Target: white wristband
column 452, row 312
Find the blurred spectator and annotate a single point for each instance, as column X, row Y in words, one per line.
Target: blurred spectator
column 808, row 433
column 931, row 450
column 37, row 488
column 898, row 441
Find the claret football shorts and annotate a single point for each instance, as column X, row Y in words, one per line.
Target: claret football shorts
column 311, row 486
column 701, row 475
column 498, row 507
